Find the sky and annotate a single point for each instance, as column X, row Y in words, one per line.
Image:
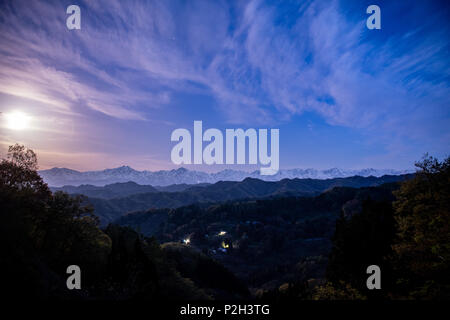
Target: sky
column 111, row 93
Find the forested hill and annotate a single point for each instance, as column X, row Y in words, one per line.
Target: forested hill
column 175, row 224
column 283, row 248
column 110, row 209
column 264, row 242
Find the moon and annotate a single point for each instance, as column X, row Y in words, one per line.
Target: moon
column 17, row 120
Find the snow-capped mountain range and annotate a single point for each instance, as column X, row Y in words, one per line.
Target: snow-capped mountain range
column 57, row 177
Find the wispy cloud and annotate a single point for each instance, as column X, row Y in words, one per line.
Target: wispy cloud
column 261, row 63
column 322, row 62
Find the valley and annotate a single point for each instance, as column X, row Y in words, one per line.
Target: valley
column 115, row 200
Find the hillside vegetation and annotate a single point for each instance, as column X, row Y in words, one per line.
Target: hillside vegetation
column 109, row 207
column 281, row 248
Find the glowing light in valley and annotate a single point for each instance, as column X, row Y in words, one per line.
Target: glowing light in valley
column 187, row 241
column 17, row 120
column 222, row 233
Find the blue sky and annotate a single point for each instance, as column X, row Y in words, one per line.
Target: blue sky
column 111, row 93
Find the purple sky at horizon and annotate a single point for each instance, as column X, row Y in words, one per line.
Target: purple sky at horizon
column 111, row 93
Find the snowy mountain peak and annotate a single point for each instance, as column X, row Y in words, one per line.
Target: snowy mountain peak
column 62, row 176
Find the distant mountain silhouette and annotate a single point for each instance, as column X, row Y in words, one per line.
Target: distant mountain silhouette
column 109, row 191
column 179, row 187
column 109, row 209
column 58, row 177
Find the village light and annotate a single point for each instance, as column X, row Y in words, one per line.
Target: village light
column 222, row 233
column 187, row 241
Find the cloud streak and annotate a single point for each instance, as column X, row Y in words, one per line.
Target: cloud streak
column 261, row 64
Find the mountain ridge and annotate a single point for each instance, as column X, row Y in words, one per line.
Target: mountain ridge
column 109, row 209
column 59, row 177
